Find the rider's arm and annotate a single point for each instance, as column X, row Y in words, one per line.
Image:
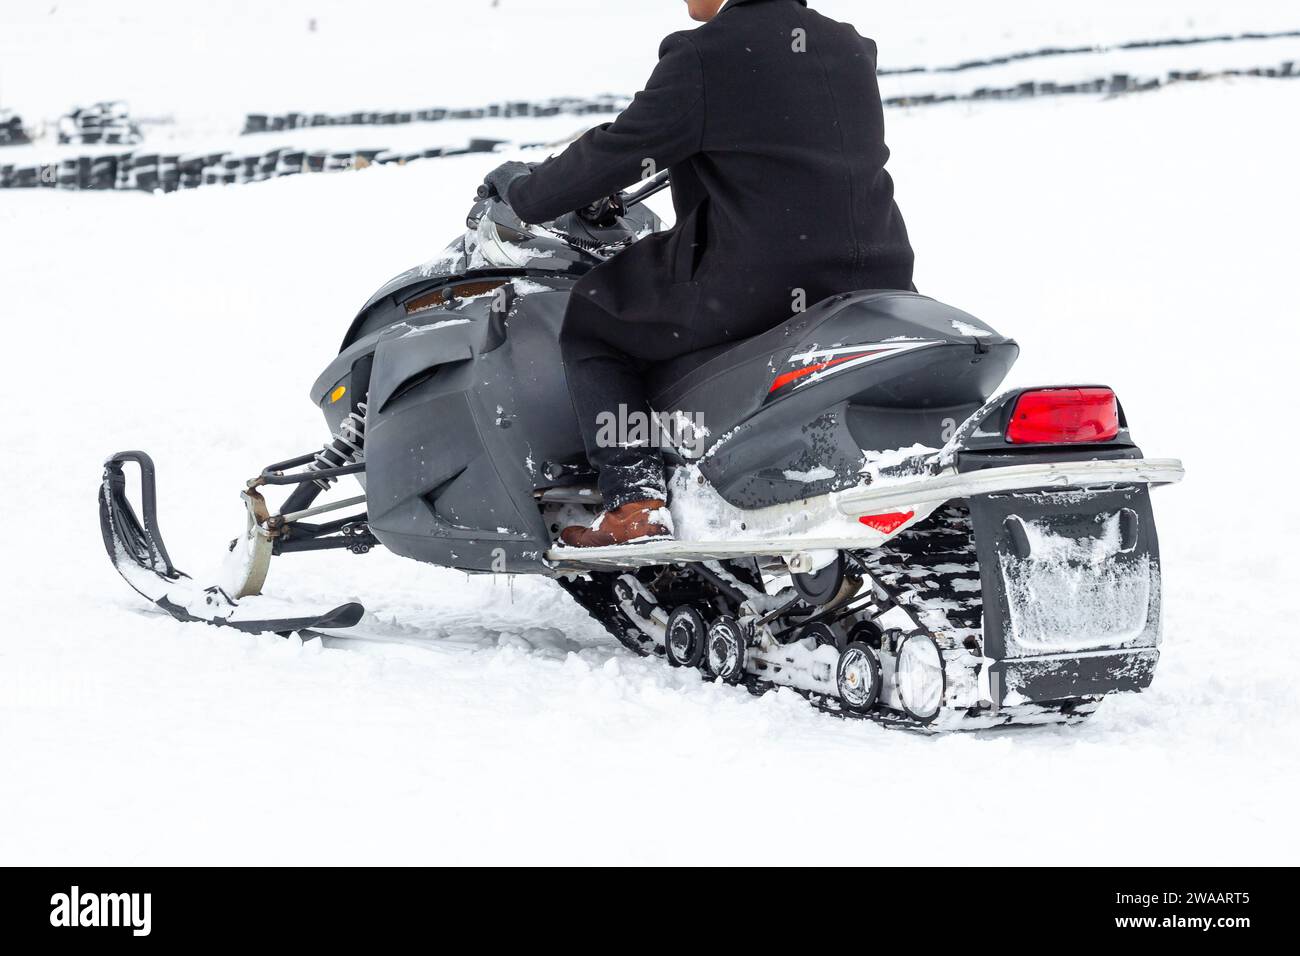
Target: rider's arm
column 663, row 124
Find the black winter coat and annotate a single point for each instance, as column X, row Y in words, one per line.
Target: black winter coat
column 770, row 119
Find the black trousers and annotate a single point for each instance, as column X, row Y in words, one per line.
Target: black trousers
column 605, row 364
column 611, row 338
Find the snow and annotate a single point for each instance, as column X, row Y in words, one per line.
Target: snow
column 1071, row 594
column 496, row 723
column 820, row 473
column 433, row 327
column 887, row 465
column 965, row 328
column 700, row 514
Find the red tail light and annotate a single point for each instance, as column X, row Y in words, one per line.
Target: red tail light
column 1064, row 415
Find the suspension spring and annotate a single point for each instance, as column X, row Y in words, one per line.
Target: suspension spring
column 347, row 447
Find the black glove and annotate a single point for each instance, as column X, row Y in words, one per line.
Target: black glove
column 497, row 182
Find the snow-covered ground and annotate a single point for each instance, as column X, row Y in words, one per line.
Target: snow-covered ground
column 1148, row 242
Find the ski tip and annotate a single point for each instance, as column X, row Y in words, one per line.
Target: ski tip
column 345, row 615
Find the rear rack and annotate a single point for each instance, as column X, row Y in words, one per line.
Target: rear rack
column 1052, row 474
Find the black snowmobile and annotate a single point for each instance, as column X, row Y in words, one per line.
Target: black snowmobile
column 856, row 517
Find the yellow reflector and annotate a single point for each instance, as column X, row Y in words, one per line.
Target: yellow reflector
column 338, row 393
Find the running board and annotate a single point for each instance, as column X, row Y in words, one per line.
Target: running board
column 660, row 551
column 909, row 501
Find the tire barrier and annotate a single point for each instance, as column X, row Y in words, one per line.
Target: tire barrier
column 1052, row 51
column 11, row 129
column 159, row 172
column 571, row 106
column 168, row 172
column 613, row 104
column 108, row 122
column 1115, row 85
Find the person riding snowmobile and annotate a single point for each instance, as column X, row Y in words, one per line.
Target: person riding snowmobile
column 770, row 121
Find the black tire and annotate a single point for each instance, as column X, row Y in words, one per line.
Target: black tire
column 724, row 654
column 857, row 677
column 685, row 637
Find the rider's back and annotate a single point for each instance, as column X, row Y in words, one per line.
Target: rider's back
column 792, row 151
column 770, row 119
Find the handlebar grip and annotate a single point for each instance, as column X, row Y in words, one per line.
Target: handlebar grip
column 485, row 191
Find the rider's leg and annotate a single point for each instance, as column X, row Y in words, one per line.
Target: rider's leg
column 608, row 393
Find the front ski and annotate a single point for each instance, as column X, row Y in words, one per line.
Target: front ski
column 345, row 615
column 135, row 546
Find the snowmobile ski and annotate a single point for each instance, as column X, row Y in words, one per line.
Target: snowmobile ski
column 135, row 546
column 345, row 615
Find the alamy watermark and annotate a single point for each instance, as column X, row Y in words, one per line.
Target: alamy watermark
column 75, row 908
column 680, row 431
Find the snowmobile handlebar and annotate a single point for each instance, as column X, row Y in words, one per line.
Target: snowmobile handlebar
column 618, row 203
column 651, row 186
column 604, row 213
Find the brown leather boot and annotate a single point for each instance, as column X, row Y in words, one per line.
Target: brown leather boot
column 629, row 522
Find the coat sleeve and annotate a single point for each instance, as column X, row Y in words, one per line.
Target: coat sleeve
column 664, row 123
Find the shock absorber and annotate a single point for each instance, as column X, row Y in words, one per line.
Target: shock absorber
column 347, row 446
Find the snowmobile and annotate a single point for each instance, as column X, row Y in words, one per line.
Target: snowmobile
column 860, row 514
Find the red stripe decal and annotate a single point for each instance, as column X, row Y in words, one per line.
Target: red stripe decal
column 788, row 377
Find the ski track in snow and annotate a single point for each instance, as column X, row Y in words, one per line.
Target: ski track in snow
column 498, row 723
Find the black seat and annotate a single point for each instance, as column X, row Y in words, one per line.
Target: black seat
column 671, row 381
column 728, row 383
